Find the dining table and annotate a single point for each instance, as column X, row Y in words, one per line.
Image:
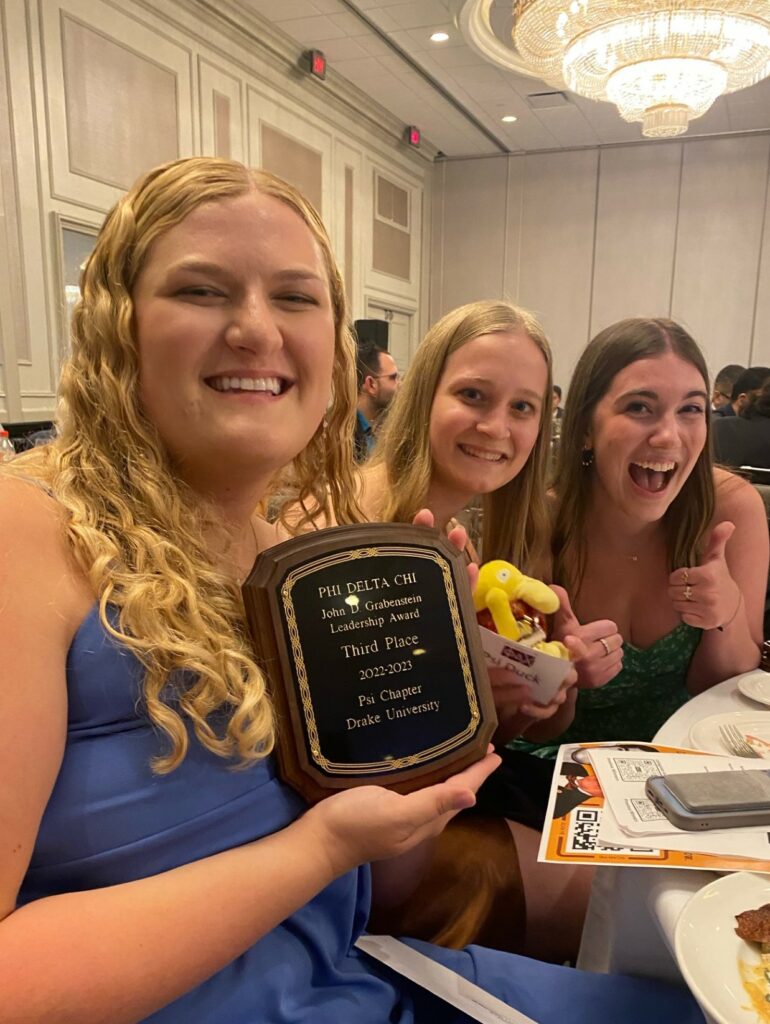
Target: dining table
column 633, row 912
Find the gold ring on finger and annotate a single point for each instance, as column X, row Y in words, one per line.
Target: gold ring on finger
column 605, row 645
column 685, row 576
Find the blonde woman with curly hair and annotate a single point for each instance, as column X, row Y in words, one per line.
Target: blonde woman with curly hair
column 152, row 866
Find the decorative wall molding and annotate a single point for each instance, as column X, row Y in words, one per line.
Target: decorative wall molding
column 72, row 77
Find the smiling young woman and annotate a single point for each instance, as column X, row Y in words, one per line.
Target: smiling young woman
column 141, row 875
column 666, row 555
column 471, row 419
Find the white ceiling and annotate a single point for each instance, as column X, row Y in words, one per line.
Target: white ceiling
column 356, row 35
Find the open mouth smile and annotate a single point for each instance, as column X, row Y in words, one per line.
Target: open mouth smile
column 482, row 453
column 266, row 385
column 653, row 477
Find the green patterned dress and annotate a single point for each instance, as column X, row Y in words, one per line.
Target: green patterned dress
column 634, row 705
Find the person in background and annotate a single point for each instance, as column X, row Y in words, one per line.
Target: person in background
column 378, row 377
column 745, row 440
column 666, row 557
column 556, row 405
column 722, row 393
column 747, row 383
column 141, row 876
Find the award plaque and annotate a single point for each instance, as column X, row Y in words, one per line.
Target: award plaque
column 369, row 639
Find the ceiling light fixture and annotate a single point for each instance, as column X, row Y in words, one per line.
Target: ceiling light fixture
column 439, row 37
column 662, row 63
column 510, row 118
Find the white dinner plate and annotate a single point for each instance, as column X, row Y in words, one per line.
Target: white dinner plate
column 754, row 727
column 709, row 953
column 756, row 685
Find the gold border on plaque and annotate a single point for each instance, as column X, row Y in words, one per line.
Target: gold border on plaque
column 363, row 767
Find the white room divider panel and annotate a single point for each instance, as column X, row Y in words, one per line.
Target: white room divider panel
column 636, row 222
column 557, row 244
column 724, row 183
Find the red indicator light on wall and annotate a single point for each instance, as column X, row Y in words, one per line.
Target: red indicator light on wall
column 316, row 63
column 413, row 136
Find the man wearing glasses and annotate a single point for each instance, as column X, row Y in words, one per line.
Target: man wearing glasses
column 721, row 397
column 377, row 384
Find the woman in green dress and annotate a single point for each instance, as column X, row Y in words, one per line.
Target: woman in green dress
column 664, row 556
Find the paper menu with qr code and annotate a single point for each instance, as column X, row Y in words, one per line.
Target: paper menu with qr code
column 575, row 831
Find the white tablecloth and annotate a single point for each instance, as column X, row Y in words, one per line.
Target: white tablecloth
column 633, row 912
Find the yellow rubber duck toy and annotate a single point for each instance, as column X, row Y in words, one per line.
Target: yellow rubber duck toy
column 499, row 584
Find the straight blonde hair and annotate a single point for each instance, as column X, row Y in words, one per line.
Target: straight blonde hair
column 515, row 516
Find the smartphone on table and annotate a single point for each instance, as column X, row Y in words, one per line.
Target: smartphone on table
column 704, row 800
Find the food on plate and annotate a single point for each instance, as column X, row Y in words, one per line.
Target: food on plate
column 754, row 926
column 758, row 745
column 516, row 606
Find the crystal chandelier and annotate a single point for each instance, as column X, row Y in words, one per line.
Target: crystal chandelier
column 661, row 63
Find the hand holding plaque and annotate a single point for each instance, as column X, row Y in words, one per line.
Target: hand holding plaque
column 369, row 639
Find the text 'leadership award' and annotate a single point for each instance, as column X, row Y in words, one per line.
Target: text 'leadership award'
column 369, row 639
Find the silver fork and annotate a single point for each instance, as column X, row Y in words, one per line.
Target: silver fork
column 736, row 742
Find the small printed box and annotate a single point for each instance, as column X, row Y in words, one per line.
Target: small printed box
column 543, row 673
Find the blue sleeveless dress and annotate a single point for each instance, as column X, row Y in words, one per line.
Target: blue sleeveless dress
column 110, row 820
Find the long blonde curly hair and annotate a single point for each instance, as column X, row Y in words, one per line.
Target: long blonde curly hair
column 516, row 521
column 135, row 529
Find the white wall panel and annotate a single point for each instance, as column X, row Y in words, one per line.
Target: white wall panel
column 474, row 232
column 556, row 245
column 13, row 333
column 69, row 144
column 263, row 108
column 383, row 286
column 718, row 244
column 514, row 212
column 35, row 366
column 435, row 274
column 592, row 236
column 141, row 44
column 635, row 232
column 759, row 354
column 349, row 158
column 213, row 80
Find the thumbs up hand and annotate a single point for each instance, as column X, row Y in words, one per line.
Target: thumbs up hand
column 602, row 644
column 706, row 595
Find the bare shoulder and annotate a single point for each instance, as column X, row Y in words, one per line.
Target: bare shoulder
column 43, row 598
column 29, row 515
column 736, row 499
column 38, row 563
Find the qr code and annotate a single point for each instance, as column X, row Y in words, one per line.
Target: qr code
column 646, row 810
column 584, row 830
column 634, row 769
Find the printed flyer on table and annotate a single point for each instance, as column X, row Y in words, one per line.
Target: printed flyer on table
column 581, row 828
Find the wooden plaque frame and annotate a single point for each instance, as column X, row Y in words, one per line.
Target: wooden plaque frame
column 347, row 642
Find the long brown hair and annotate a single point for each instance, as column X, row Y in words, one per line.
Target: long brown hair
column 689, row 515
column 515, row 516
column 135, row 529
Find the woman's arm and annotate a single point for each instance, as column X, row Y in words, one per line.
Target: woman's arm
column 122, row 952
column 728, row 588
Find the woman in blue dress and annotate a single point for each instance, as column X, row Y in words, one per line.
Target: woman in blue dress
column 152, row 866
